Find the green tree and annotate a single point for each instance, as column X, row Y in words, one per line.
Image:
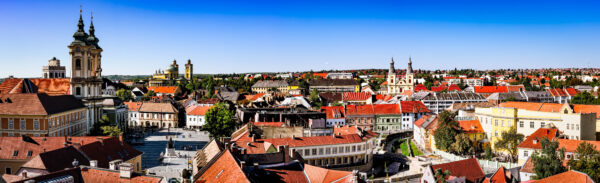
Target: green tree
column 463, row 145
column 488, row 153
column 585, row 98
column 441, row 176
column 112, row 131
column 509, row 141
column 219, row 121
column 548, row 163
column 447, row 130
column 588, row 160
column 124, row 94
column 148, row 95
column 315, row 99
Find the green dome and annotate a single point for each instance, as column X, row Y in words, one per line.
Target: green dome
column 172, row 69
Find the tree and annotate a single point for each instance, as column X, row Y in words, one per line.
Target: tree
column 315, row 99
column 463, row 145
column 441, row 176
column 588, row 160
column 447, row 130
column 488, row 153
column 509, row 141
column 112, row 131
column 124, row 94
column 585, row 98
column 548, row 163
column 219, row 121
column 148, row 95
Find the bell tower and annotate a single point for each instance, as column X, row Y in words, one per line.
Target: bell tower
column 189, row 70
column 86, row 70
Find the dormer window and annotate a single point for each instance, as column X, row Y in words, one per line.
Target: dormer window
column 15, row 153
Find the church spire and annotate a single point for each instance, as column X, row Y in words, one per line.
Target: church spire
column 392, row 69
column 92, row 39
column 409, row 70
column 80, row 34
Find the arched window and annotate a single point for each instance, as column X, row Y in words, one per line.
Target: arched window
column 77, row 64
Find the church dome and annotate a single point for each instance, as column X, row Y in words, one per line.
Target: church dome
column 172, row 69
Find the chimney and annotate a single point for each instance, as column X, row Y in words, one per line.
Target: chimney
column 242, row 165
column 101, row 140
column 94, row 163
column 125, row 170
column 114, row 164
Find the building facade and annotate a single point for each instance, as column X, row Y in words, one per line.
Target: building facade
column 86, row 71
column 265, row 86
column 396, row 85
column 189, row 70
column 53, row 70
column 161, row 115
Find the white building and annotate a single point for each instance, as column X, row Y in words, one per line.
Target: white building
column 396, row 85
column 196, row 116
column 340, row 75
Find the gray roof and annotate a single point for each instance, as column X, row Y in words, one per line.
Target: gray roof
column 270, row 84
column 333, row 82
column 453, row 96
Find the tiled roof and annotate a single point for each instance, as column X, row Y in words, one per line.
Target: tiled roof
column 413, row 107
column 254, row 97
column 359, row 110
column 533, row 141
column 386, row 109
column 199, row 110
column 587, row 109
column 37, row 104
column 100, row 175
column 533, row 106
column 528, row 166
column 567, row 177
column 499, row 176
column 420, row 87
column 347, row 130
column 163, row 89
column 109, row 149
column 570, row 145
column 515, row 88
column 468, row 168
column 224, row 168
column 322, row 175
column 8, row 145
column 133, row 106
column 471, row 126
column 158, row 107
column 270, row 84
column 422, row 120
column 58, row 159
column 490, row 89
column 331, row 97
column 571, row 91
column 383, row 97
column 50, row 86
column 334, row 112
column 354, row 96
column 333, row 82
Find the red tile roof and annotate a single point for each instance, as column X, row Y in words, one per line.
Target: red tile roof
column 133, row 106
column 468, row 168
column 499, row 176
column 572, row 91
column 199, row 110
column 383, row 97
column 359, row 110
column 490, row 89
column 348, row 130
column 273, row 124
column 52, row 86
column 98, row 175
column 356, row 96
column 334, row 112
column 533, row 141
column 225, row 169
column 163, row 89
column 422, row 120
column 567, row 177
column 387, row 109
column 413, row 107
column 10, row 144
column 322, row 175
column 37, row 104
column 533, row 106
column 420, row 87
column 471, row 126
column 587, row 109
column 570, row 145
column 109, row 149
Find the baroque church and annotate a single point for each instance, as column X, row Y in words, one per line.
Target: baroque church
column 398, row 84
column 170, row 76
column 86, row 70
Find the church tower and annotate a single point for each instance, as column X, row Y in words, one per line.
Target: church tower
column 189, row 70
column 409, row 76
column 86, row 72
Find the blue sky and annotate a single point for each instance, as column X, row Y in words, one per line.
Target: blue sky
column 139, row 37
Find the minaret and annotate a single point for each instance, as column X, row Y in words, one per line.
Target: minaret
column 189, row 70
column 409, row 70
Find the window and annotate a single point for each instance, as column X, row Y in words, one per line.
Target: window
column 496, row 123
column 543, row 125
column 11, row 124
column 77, row 63
column 577, row 126
column 502, row 122
column 314, row 151
column 525, row 153
column 15, row 153
column 568, row 125
column 320, row 151
column 29, row 153
column 22, row 124
column 347, row 148
column 341, row 149
column 36, row 124
column 521, row 124
column 495, row 133
column 328, row 151
column 531, row 124
column 353, row 148
column 8, row 170
column 77, row 90
column 334, row 150
column 89, row 65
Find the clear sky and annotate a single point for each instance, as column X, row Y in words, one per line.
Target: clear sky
column 139, row 37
